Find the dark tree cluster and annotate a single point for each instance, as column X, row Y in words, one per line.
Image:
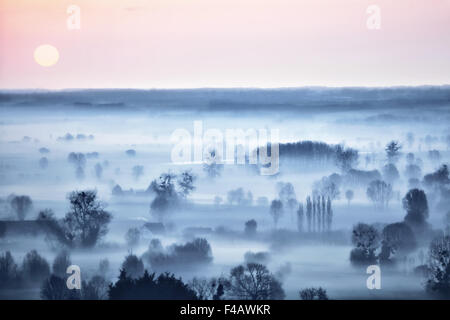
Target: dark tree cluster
column 319, row 214
column 397, row 240
column 194, row 253
column 78, row 160
column 83, row 226
column 150, row 287
column 168, row 196
column 20, row 205
column 306, row 154
column 438, row 265
column 313, row 294
column 33, row 270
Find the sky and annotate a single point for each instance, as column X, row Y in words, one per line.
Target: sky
column 225, row 43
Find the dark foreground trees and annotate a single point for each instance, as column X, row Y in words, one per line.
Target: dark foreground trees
column 380, row 193
column 254, row 282
column 313, row 294
column 150, row 287
column 438, row 282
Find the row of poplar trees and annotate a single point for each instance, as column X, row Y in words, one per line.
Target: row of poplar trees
column 319, row 215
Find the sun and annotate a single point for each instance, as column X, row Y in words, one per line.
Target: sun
column 46, row 55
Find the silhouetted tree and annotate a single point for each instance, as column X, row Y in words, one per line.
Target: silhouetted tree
column 21, row 205
column 60, row 264
column 148, row 287
column 130, row 152
column 54, row 229
column 249, row 199
column 434, row 156
column 250, row 227
column 166, row 195
column 326, row 187
column 44, row 150
column 261, row 257
column 314, row 214
column 346, row 159
column 9, row 271
column 366, row 240
column 380, row 193
column 398, row 240
column 193, row 253
column 2, row 228
column 349, row 196
column 117, row 191
column 133, row 266
column 276, row 211
column 254, row 282
column 34, row 267
column 438, row 264
column 133, row 237
column 286, row 192
column 43, row 163
column 390, row 173
column 319, row 214
column 103, row 266
column 236, row 196
column 437, row 179
column 186, row 183
column 55, row 288
column 393, row 151
column 78, row 160
column 309, row 212
column 87, row 221
column 300, row 217
column 324, row 214
column 95, row 289
column 416, row 205
column 313, row 294
column 208, row 289
column 329, row 215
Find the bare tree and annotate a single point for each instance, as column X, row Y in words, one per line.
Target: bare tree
column 254, row 282
column 438, row 281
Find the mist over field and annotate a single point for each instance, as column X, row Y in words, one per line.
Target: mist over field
column 362, row 180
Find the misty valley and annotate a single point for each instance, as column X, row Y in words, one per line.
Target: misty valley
column 214, row 194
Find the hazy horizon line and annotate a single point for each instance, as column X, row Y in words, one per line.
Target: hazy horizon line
column 219, row 88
